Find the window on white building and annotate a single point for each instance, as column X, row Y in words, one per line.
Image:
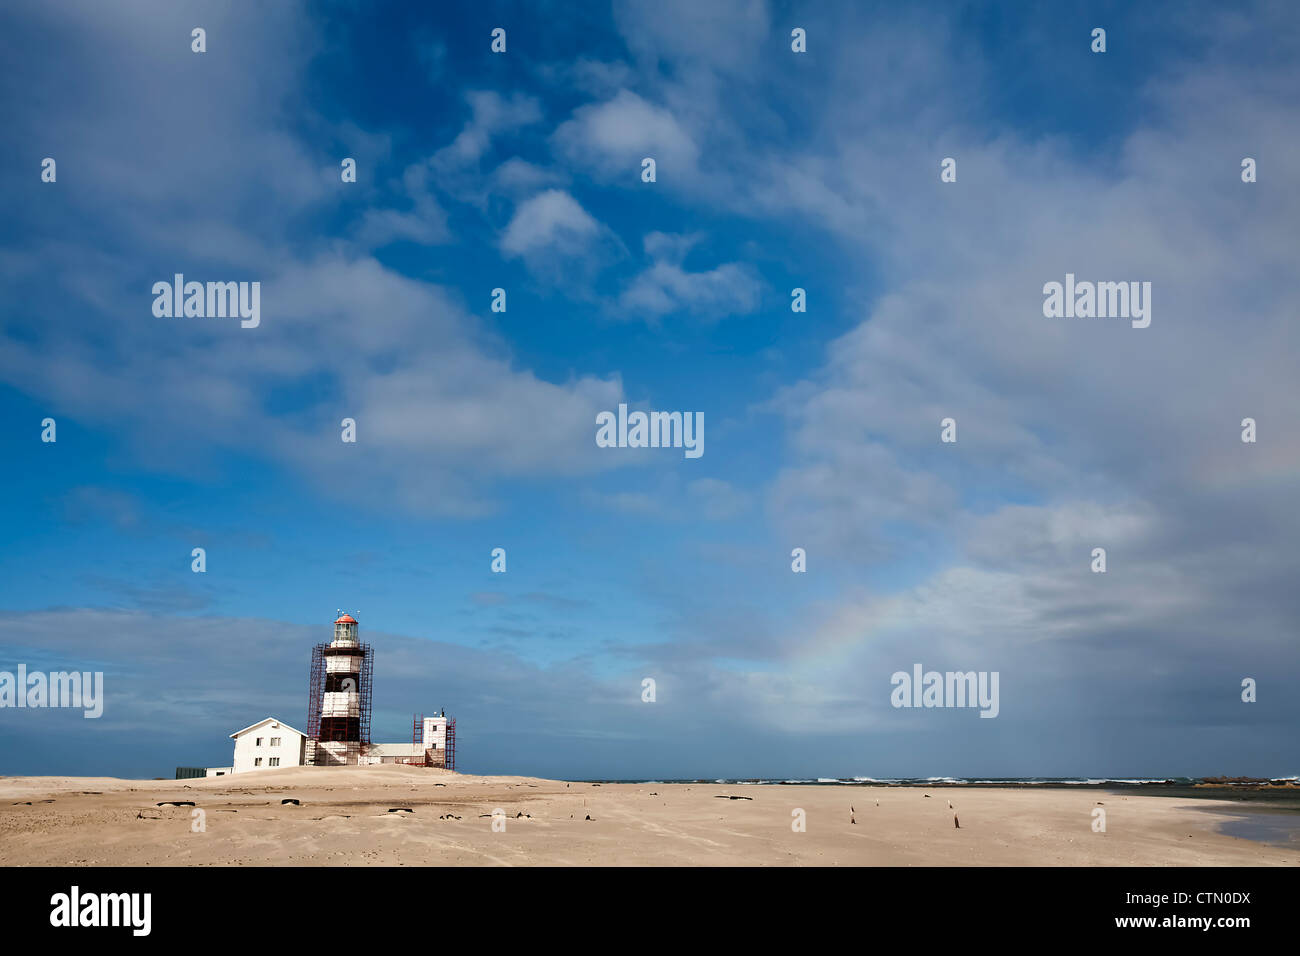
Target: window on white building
column 275, row 761
column 259, row 741
column 257, row 761
column 275, row 741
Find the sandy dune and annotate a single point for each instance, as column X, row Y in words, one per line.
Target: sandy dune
column 344, row 818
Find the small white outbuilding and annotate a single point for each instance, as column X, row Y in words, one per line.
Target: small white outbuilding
column 267, row 744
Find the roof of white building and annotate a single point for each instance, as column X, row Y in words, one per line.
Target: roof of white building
column 268, row 720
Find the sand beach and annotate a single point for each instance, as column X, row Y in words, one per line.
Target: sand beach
column 394, row 815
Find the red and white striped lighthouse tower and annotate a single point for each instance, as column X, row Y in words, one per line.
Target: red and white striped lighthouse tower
column 338, row 706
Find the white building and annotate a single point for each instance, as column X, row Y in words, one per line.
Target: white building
column 392, row 753
column 267, row 744
column 430, row 752
column 435, row 739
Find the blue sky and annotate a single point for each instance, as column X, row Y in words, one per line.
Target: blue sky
column 476, row 429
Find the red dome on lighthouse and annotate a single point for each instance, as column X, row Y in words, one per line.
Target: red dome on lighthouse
column 346, row 619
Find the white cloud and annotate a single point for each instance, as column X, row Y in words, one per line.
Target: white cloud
column 1049, row 409
column 490, row 115
column 426, row 225
column 665, row 286
column 452, row 170
column 611, row 138
column 728, row 289
column 552, row 219
column 442, row 410
column 724, row 34
column 516, row 176
column 560, row 242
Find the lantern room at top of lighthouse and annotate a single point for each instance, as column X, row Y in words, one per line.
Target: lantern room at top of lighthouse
column 345, row 629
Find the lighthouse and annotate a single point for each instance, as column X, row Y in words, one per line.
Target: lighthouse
column 338, row 703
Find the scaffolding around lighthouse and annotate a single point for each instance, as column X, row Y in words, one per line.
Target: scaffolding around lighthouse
column 338, row 698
